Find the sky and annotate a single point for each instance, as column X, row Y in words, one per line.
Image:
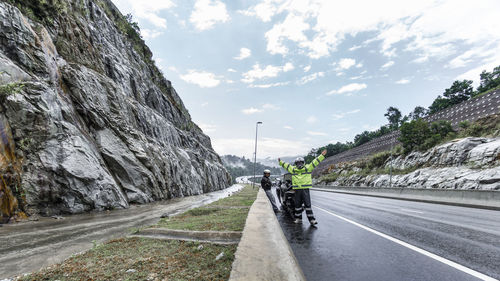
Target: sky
column 313, row 71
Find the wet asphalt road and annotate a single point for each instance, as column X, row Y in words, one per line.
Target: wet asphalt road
column 26, row 247
column 339, row 250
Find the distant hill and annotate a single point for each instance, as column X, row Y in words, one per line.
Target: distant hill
column 241, row 166
column 273, row 162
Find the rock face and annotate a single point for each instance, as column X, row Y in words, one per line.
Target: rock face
column 95, row 123
column 470, row 163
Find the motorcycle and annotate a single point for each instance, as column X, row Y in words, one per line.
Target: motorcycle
column 286, row 195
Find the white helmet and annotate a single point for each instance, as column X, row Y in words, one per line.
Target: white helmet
column 299, row 162
column 266, row 171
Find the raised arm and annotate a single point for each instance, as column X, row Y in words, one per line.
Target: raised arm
column 316, row 161
column 286, row 166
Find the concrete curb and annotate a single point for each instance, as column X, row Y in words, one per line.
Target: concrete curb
column 484, row 199
column 219, row 237
column 264, row 252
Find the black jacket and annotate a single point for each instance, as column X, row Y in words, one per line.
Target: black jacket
column 266, row 183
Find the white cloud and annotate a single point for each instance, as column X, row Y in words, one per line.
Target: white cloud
column 288, row 67
column 341, row 115
column 270, row 71
column 231, row 70
column 150, row 33
column 346, row 63
column 311, row 133
column 349, row 88
column 207, row 13
column 268, row 147
column 264, row 10
column 312, row 119
column 430, row 28
column 207, row 128
column 244, row 53
column 201, row 78
column 265, row 86
column 251, row 110
column 288, row 127
column 403, row 81
column 147, row 10
column 310, row 77
column 307, row 68
column 204, row 104
column 354, row 48
column 387, row 65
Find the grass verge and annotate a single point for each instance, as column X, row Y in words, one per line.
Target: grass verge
column 228, row 214
column 144, row 259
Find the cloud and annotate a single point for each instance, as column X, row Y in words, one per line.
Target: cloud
column 310, row 77
column 312, row 119
column 267, row 147
column 430, row 28
column 231, row 70
column 307, row 68
column 207, row 128
column 150, row 33
column 204, row 104
column 265, row 86
column 387, row 65
column 346, row 63
column 311, row 133
column 264, row 107
column 288, row 127
column 207, row 13
column 251, row 110
column 201, row 78
column 354, row 48
column 270, row 71
column 349, row 88
column 403, row 81
column 147, row 10
column 244, row 53
column 337, row 116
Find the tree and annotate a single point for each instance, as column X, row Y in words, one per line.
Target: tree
column 414, row 134
column 394, row 116
column 418, row 113
column 438, row 104
column 489, row 80
column 459, row 91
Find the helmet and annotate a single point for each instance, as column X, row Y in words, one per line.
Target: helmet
column 266, row 171
column 299, row 162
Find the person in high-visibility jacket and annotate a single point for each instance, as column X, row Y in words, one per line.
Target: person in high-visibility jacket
column 301, row 182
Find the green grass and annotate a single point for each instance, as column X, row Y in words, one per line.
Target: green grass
column 228, row 214
column 150, row 258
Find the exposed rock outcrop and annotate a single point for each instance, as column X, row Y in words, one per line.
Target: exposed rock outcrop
column 95, row 123
column 470, row 163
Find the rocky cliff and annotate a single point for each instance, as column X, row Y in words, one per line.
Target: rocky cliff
column 469, row 163
column 94, row 123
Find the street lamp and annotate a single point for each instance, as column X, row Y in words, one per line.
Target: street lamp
column 255, row 153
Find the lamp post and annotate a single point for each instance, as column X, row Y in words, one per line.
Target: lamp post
column 255, row 152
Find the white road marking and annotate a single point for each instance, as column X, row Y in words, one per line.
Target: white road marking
column 416, row 249
column 411, row 211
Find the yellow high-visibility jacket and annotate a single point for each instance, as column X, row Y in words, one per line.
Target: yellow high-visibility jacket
column 301, row 178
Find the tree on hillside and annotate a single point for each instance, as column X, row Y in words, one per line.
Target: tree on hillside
column 459, row 91
column 394, row 116
column 418, row 113
column 489, row 80
column 438, row 104
column 414, row 134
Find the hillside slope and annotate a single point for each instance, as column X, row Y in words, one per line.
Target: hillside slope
column 94, row 123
